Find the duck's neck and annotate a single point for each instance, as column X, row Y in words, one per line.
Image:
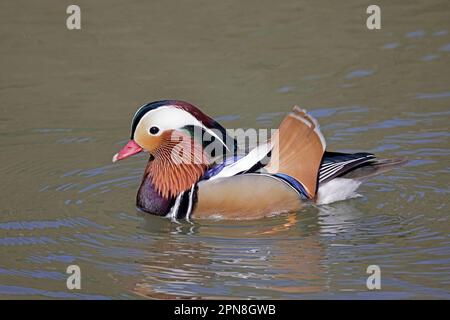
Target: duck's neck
column 164, row 180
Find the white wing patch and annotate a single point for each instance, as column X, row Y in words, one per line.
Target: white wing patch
column 245, row 163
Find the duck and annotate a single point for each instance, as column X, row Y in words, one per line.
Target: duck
column 197, row 169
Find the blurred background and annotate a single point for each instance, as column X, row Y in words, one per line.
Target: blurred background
column 67, row 98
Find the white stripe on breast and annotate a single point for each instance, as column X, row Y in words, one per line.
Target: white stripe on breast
column 174, row 210
column 189, row 209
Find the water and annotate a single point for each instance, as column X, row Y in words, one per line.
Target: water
column 66, row 101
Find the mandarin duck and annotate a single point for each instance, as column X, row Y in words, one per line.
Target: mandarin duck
column 281, row 175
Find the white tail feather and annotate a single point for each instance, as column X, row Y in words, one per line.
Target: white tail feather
column 337, row 190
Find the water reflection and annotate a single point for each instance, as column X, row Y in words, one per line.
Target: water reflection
column 235, row 259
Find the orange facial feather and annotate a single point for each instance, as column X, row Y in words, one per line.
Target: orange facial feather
column 178, row 163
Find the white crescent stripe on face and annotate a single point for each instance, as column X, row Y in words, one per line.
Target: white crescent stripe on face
column 170, row 118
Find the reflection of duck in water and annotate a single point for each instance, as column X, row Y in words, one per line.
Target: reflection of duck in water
column 234, row 259
column 276, row 176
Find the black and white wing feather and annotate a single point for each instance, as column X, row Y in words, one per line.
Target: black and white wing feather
column 336, row 164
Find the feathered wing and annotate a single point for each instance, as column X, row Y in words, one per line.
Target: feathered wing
column 243, row 164
column 336, row 164
column 357, row 166
column 236, row 197
column 298, row 147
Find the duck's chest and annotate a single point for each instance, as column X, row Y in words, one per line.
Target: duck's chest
column 149, row 200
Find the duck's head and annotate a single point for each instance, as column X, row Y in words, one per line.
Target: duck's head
column 162, row 127
column 156, row 123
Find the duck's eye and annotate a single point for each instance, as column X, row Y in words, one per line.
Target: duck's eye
column 154, row 130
